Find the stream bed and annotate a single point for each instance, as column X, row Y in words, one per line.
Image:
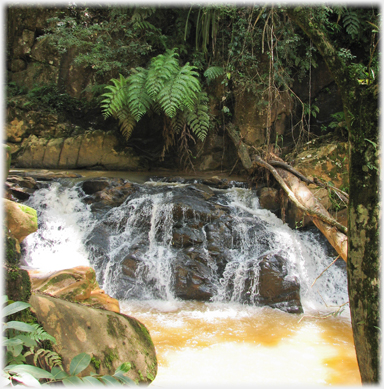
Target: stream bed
column 227, row 339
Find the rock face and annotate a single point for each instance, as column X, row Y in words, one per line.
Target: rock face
column 77, row 285
column 181, row 241
column 94, row 149
column 110, row 338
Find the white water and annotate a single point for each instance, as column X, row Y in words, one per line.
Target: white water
column 217, row 342
column 63, row 223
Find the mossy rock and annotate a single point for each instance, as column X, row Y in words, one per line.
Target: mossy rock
column 76, row 285
column 17, row 283
column 109, row 338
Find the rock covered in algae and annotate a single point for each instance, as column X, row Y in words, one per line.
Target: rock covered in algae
column 76, row 285
column 110, row 338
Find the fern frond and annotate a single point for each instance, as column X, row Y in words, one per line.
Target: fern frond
column 214, row 72
column 138, row 100
column 116, row 98
column 142, row 13
column 178, row 122
column 162, row 68
column 180, row 91
column 127, row 122
column 198, row 118
column 351, row 22
column 40, row 334
column 51, row 358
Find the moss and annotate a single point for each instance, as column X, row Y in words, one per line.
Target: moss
column 18, row 283
column 12, row 255
column 140, row 328
column 110, row 355
column 96, row 363
column 30, row 211
column 56, row 280
column 115, row 327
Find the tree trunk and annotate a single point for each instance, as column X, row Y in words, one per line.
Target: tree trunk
column 363, row 266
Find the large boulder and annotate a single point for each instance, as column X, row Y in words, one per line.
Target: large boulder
column 110, row 338
column 78, row 285
column 20, row 219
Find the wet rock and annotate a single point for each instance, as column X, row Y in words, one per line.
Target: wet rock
column 104, row 193
column 269, row 199
column 193, row 280
column 276, row 288
column 109, row 337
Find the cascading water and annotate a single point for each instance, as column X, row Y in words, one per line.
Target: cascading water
column 160, row 244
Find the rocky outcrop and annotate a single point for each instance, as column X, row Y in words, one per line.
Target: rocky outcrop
column 94, row 149
column 186, row 246
column 110, row 338
column 77, row 285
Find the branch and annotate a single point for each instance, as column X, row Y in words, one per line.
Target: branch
column 293, row 198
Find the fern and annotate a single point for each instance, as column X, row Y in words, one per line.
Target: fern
column 126, row 121
column 180, row 92
column 162, row 69
column 164, row 86
column 351, row 23
column 213, row 72
column 198, row 118
column 178, row 122
column 116, row 98
column 39, row 335
column 138, row 100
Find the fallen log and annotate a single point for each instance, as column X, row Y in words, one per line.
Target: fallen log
column 299, row 194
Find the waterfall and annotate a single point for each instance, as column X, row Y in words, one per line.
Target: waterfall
column 133, row 251
column 63, row 222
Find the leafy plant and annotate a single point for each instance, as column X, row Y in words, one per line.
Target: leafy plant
column 164, row 86
column 20, row 335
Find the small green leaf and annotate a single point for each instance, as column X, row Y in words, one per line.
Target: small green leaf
column 110, row 381
column 14, row 307
column 124, row 367
column 12, row 342
column 91, row 381
column 26, row 379
column 79, row 363
column 26, row 340
column 19, row 325
column 32, row 370
column 72, row 381
column 58, row 374
column 124, row 379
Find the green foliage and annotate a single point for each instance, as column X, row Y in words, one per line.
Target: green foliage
column 213, row 72
column 21, row 336
column 164, row 86
column 49, row 98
